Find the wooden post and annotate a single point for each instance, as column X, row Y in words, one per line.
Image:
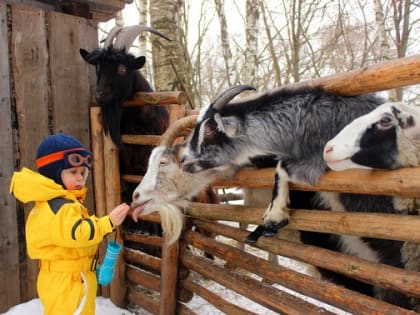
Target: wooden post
column 98, row 175
column 168, row 277
column 9, row 240
column 113, row 198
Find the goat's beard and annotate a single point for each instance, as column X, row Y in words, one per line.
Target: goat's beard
column 111, row 121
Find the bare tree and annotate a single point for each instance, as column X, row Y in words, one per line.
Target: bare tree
column 227, row 54
column 251, row 31
column 165, row 16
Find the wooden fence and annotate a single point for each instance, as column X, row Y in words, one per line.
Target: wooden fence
column 168, row 274
column 45, row 87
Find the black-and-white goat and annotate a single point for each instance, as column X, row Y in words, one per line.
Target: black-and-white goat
column 293, row 126
column 386, row 138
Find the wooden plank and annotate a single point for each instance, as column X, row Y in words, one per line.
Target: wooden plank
column 117, row 287
column 329, row 293
column 157, row 98
column 404, row 182
column 383, row 76
column 214, row 299
column 268, row 296
column 31, row 87
column 98, row 176
column 377, row 225
column 392, row 74
column 169, row 276
column 9, row 242
column 406, row 281
column 70, row 85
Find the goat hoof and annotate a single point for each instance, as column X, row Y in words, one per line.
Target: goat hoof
column 272, row 229
column 255, row 235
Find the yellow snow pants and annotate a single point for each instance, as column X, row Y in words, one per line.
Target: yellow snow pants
column 67, row 287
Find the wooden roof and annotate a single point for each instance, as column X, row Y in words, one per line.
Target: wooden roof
column 99, row 10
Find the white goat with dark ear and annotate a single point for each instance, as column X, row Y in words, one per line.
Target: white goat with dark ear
column 386, row 138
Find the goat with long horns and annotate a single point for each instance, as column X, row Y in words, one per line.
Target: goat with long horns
column 118, row 79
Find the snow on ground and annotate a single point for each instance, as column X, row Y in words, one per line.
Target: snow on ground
column 34, row 307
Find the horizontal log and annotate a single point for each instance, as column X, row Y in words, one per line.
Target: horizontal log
column 152, row 305
column 141, row 258
column 268, row 296
column 143, row 278
column 380, row 275
column 392, row 74
column 376, row 225
column 143, row 239
column 383, row 76
column 157, row 98
column 141, row 139
column 145, row 301
column 321, row 290
column 221, row 304
column 403, row 182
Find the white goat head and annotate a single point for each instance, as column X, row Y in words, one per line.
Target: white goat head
column 386, row 138
column 165, row 187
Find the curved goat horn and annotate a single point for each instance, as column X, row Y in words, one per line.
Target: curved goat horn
column 181, row 127
column 229, row 94
column 108, row 41
column 126, row 36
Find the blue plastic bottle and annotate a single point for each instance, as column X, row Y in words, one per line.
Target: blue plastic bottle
column 105, row 272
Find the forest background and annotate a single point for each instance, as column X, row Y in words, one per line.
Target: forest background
column 267, row 44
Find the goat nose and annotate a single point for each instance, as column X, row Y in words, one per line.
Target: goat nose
column 136, row 195
column 328, row 149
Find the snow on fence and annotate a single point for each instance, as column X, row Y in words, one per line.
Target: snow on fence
column 169, row 275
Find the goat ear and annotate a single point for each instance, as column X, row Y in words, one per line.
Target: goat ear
column 139, row 62
column 85, row 55
column 229, row 125
column 405, row 120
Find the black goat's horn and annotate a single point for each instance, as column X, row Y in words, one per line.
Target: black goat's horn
column 108, row 41
column 126, row 35
column 229, row 94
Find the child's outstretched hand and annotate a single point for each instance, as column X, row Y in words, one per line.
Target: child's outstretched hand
column 118, row 214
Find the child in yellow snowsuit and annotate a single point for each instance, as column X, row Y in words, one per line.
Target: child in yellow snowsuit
column 59, row 230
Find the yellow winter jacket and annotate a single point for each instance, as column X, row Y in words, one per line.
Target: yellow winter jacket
column 58, row 226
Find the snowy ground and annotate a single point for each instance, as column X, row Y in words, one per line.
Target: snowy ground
column 34, row 307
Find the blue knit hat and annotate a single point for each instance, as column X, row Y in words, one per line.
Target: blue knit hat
column 54, row 155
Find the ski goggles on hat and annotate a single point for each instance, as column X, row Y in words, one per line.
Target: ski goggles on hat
column 72, row 158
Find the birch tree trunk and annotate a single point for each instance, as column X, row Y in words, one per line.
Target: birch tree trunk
column 385, row 49
column 227, row 54
column 402, row 28
column 251, row 58
column 165, row 17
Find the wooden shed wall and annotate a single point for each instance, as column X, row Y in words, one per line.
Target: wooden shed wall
column 45, row 87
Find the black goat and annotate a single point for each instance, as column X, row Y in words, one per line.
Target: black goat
column 118, row 79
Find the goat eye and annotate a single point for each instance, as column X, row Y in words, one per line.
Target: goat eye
column 122, row 69
column 163, row 162
column 208, row 131
column 385, row 122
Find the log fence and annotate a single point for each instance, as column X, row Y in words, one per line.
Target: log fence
column 169, row 275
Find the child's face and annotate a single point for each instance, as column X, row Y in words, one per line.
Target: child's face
column 74, row 178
